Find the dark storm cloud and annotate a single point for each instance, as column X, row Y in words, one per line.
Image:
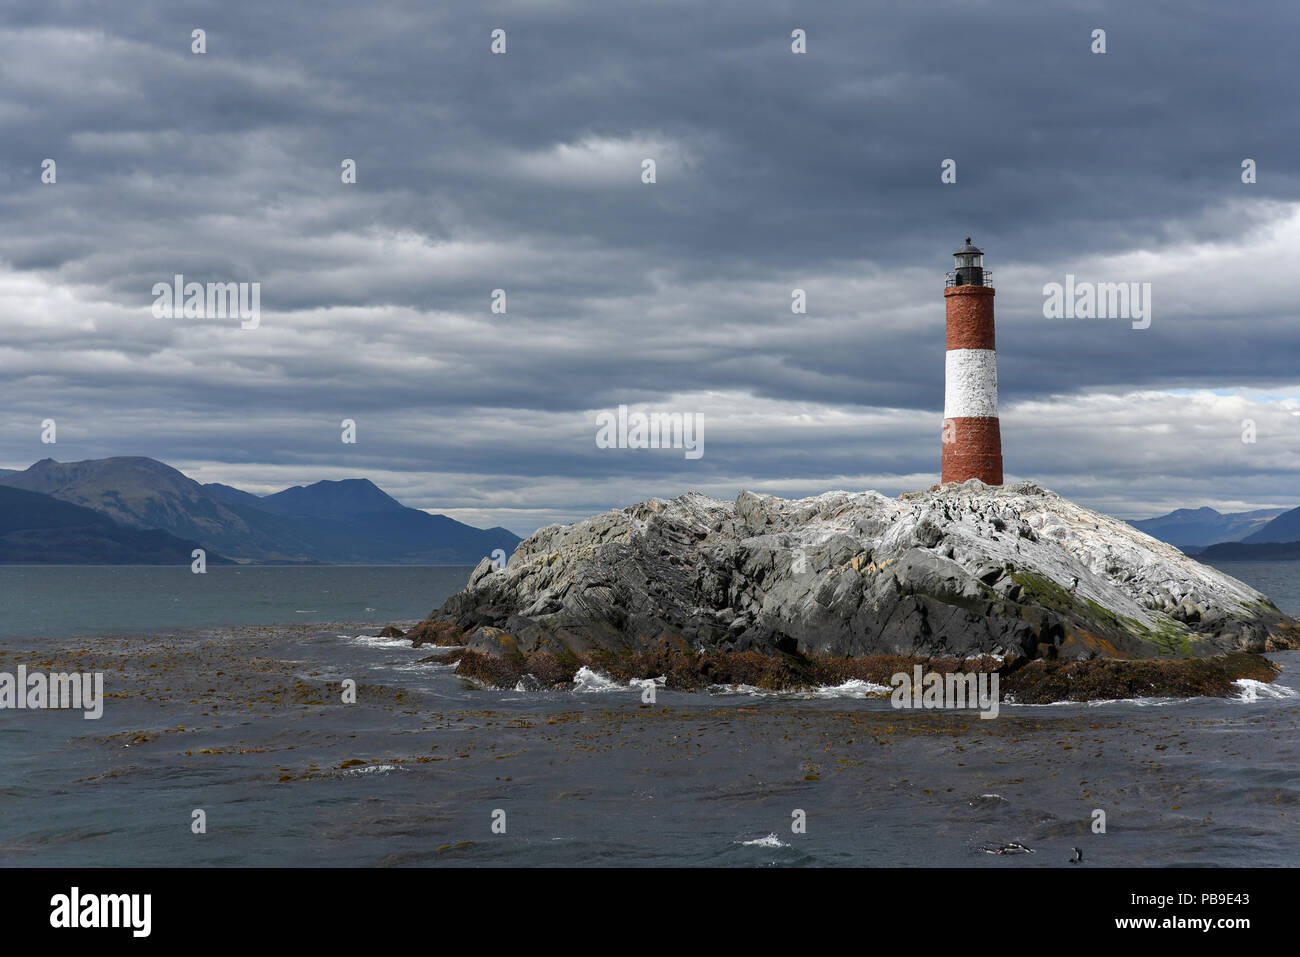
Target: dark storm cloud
column 521, row 172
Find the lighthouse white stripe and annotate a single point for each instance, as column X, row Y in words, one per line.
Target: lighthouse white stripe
column 970, row 384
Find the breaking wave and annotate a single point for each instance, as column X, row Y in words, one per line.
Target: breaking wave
column 1252, row 690
column 587, row 681
column 770, row 841
column 853, row 688
column 374, row 641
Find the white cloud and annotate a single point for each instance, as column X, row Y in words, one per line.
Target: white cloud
column 597, row 161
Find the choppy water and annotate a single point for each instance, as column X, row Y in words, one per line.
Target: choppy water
column 247, row 725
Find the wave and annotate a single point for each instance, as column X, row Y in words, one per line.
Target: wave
column 587, row 681
column 853, row 688
column 374, row 641
column 1252, row 690
column 770, row 841
column 1099, row 702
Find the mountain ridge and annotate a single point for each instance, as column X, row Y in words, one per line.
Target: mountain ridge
column 1284, row 528
column 1200, row 527
column 37, row 529
column 349, row 521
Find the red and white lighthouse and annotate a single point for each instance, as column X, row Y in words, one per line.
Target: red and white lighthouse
column 972, row 439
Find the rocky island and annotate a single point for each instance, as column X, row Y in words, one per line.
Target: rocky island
column 1063, row 602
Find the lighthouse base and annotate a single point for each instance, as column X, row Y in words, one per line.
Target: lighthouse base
column 972, row 448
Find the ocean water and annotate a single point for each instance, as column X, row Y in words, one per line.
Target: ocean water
column 246, row 723
column 63, row 601
column 1280, row 581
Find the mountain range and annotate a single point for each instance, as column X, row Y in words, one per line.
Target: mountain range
column 37, row 529
column 136, row 510
column 1251, row 552
column 1267, row 534
column 339, row 522
column 1198, row 527
column 1284, row 528
column 1278, row 541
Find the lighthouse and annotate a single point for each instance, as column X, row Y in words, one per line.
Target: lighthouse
column 972, row 439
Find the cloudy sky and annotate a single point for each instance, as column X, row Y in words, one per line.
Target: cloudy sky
column 774, row 170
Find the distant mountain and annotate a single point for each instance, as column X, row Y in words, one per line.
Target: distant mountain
column 38, row 529
column 1198, row 527
column 341, row 501
column 351, row 521
column 1251, row 552
column 1284, row 528
column 232, row 496
column 354, row 520
column 145, row 493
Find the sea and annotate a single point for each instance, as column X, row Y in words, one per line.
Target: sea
column 251, row 717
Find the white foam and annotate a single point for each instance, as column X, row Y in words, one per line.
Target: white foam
column 372, row 769
column 374, row 641
column 1252, row 690
column 588, row 681
column 1141, row 702
column 853, row 688
column 736, row 689
column 1097, row 703
column 770, row 841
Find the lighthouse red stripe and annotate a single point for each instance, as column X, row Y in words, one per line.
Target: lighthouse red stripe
column 972, row 448
column 970, row 317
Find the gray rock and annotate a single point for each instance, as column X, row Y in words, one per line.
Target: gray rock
column 960, row 570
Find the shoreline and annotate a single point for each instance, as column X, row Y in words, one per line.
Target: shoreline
column 1022, row 681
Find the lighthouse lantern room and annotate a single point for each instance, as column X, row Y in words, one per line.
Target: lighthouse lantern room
column 968, row 266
